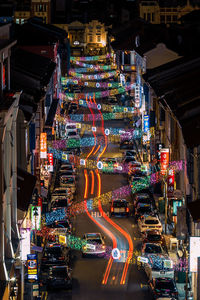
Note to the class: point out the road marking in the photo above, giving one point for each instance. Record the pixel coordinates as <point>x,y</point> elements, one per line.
<point>97,214</point>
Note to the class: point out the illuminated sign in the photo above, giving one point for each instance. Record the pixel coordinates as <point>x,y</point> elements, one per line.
<point>170,183</point>
<point>146,123</point>
<point>194,252</point>
<point>176,203</point>
<point>25,242</point>
<point>36,217</point>
<point>32,263</point>
<point>115,253</point>
<point>164,160</point>
<point>50,159</point>
<point>43,145</point>
<point>137,96</point>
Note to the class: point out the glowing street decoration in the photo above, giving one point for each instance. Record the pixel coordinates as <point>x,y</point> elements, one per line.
<point>92,68</point>
<point>97,95</point>
<point>77,81</point>
<point>43,145</point>
<point>97,76</point>
<point>55,215</point>
<point>90,58</point>
<point>164,160</point>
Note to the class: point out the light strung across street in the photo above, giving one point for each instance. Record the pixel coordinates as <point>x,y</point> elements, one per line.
<point>77,81</point>
<point>100,94</point>
<point>90,58</point>
<point>97,76</point>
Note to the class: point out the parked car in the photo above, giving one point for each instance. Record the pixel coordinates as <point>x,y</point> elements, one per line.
<point>141,211</point>
<point>163,287</point>
<point>59,203</point>
<point>68,182</point>
<point>95,244</point>
<point>151,248</point>
<point>73,135</point>
<point>54,254</point>
<point>154,236</point>
<point>110,164</point>
<point>59,277</point>
<point>159,266</point>
<point>130,153</point>
<point>119,207</point>
<point>129,159</point>
<point>62,193</point>
<point>141,198</point>
<point>126,145</point>
<point>149,222</point>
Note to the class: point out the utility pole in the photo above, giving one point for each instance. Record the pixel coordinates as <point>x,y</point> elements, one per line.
<point>166,202</point>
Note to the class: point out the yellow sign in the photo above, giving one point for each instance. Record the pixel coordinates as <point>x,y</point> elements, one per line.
<point>62,239</point>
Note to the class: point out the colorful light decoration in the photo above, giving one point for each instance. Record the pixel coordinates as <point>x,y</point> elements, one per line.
<point>93,67</point>
<point>90,58</point>
<point>106,116</point>
<point>100,94</point>
<point>76,81</point>
<point>97,76</point>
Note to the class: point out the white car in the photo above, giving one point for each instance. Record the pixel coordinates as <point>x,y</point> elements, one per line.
<point>70,127</point>
<point>73,135</point>
<point>149,222</point>
<point>159,266</point>
<point>94,244</point>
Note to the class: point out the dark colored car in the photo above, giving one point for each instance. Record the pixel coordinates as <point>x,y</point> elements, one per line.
<point>119,207</point>
<point>163,288</point>
<point>143,210</point>
<point>154,236</point>
<point>54,255</point>
<point>59,203</point>
<point>126,145</point>
<point>59,277</point>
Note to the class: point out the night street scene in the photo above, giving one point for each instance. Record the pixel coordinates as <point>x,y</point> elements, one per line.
<point>99,149</point>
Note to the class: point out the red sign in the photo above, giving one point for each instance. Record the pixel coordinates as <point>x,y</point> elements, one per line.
<point>43,145</point>
<point>164,160</point>
<point>170,183</point>
<point>50,159</point>
<point>40,202</point>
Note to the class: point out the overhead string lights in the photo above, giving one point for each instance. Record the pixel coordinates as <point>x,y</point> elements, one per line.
<point>92,67</point>
<point>77,81</point>
<point>97,95</point>
<point>90,58</point>
<point>97,76</point>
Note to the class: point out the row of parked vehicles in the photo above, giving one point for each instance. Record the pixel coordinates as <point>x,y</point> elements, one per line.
<point>154,258</point>
<point>56,259</point>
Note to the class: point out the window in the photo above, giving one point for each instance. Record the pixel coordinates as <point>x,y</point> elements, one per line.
<point>40,7</point>
<point>148,17</point>
<point>98,38</point>
<point>174,18</point>
<point>152,17</point>
<point>22,21</point>
<point>162,19</point>
<point>17,21</point>
<point>145,16</point>
<point>168,19</point>
<point>90,38</point>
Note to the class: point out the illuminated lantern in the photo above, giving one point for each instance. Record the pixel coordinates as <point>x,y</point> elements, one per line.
<point>170,183</point>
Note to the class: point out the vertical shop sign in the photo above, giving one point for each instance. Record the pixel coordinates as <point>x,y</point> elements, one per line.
<point>32,263</point>
<point>50,161</point>
<point>146,123</point>
<point>25,243</point>
<point>36,217</point>
<point>137,96</point>
<point>164,160</point>
<point>43,145</point>
<point>170,183</point>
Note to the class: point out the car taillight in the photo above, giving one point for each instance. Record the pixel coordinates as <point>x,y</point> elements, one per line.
<point>103,247</point>
<point>144,226</point>
<point>159,226</point>
<point>61,258</point>
<point>127,209</point>
<point>44,258</point>
<point>112,209</point>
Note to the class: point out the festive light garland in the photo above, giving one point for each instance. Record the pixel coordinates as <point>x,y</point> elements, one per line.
<point>90,58</point>
<point>100,94</point>
<point>97,76</point>
<point>92,67</point>
<point>107,107</point>
<point>76,81</point>
<point>106,116</point>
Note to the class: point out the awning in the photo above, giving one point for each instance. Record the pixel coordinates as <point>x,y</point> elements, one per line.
<point>25,186</point>
<point>52,112</point>
<point>194,209</point>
